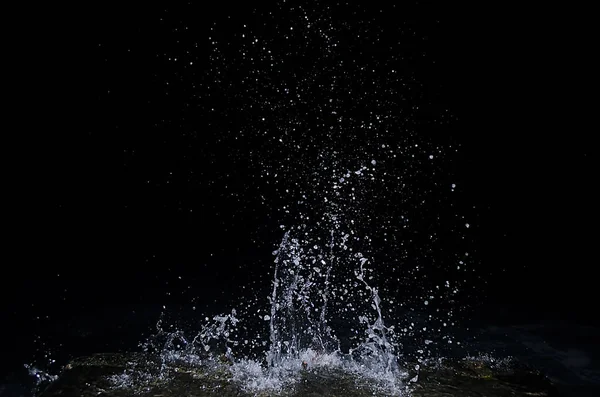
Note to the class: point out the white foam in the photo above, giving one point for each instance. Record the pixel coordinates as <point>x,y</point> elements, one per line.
<point>253,377</point>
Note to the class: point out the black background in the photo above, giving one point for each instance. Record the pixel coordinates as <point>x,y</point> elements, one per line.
<point>513,78</point>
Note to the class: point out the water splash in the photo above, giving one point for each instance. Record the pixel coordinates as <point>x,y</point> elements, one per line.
<point>41,376</point>
<point>336,138</point>
<point>324,313</point>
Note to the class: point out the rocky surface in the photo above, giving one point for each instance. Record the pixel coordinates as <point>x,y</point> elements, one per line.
<point>120,375</point>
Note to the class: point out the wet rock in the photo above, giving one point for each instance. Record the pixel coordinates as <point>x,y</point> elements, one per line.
<point>120,375</point>
<point>473,378</point>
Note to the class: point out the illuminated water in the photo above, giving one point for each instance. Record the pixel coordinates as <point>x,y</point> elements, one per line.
<point>323,313</point>
<point>361,293</point>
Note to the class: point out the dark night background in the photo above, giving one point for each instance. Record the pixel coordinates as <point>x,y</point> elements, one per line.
<point>95,238</point>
